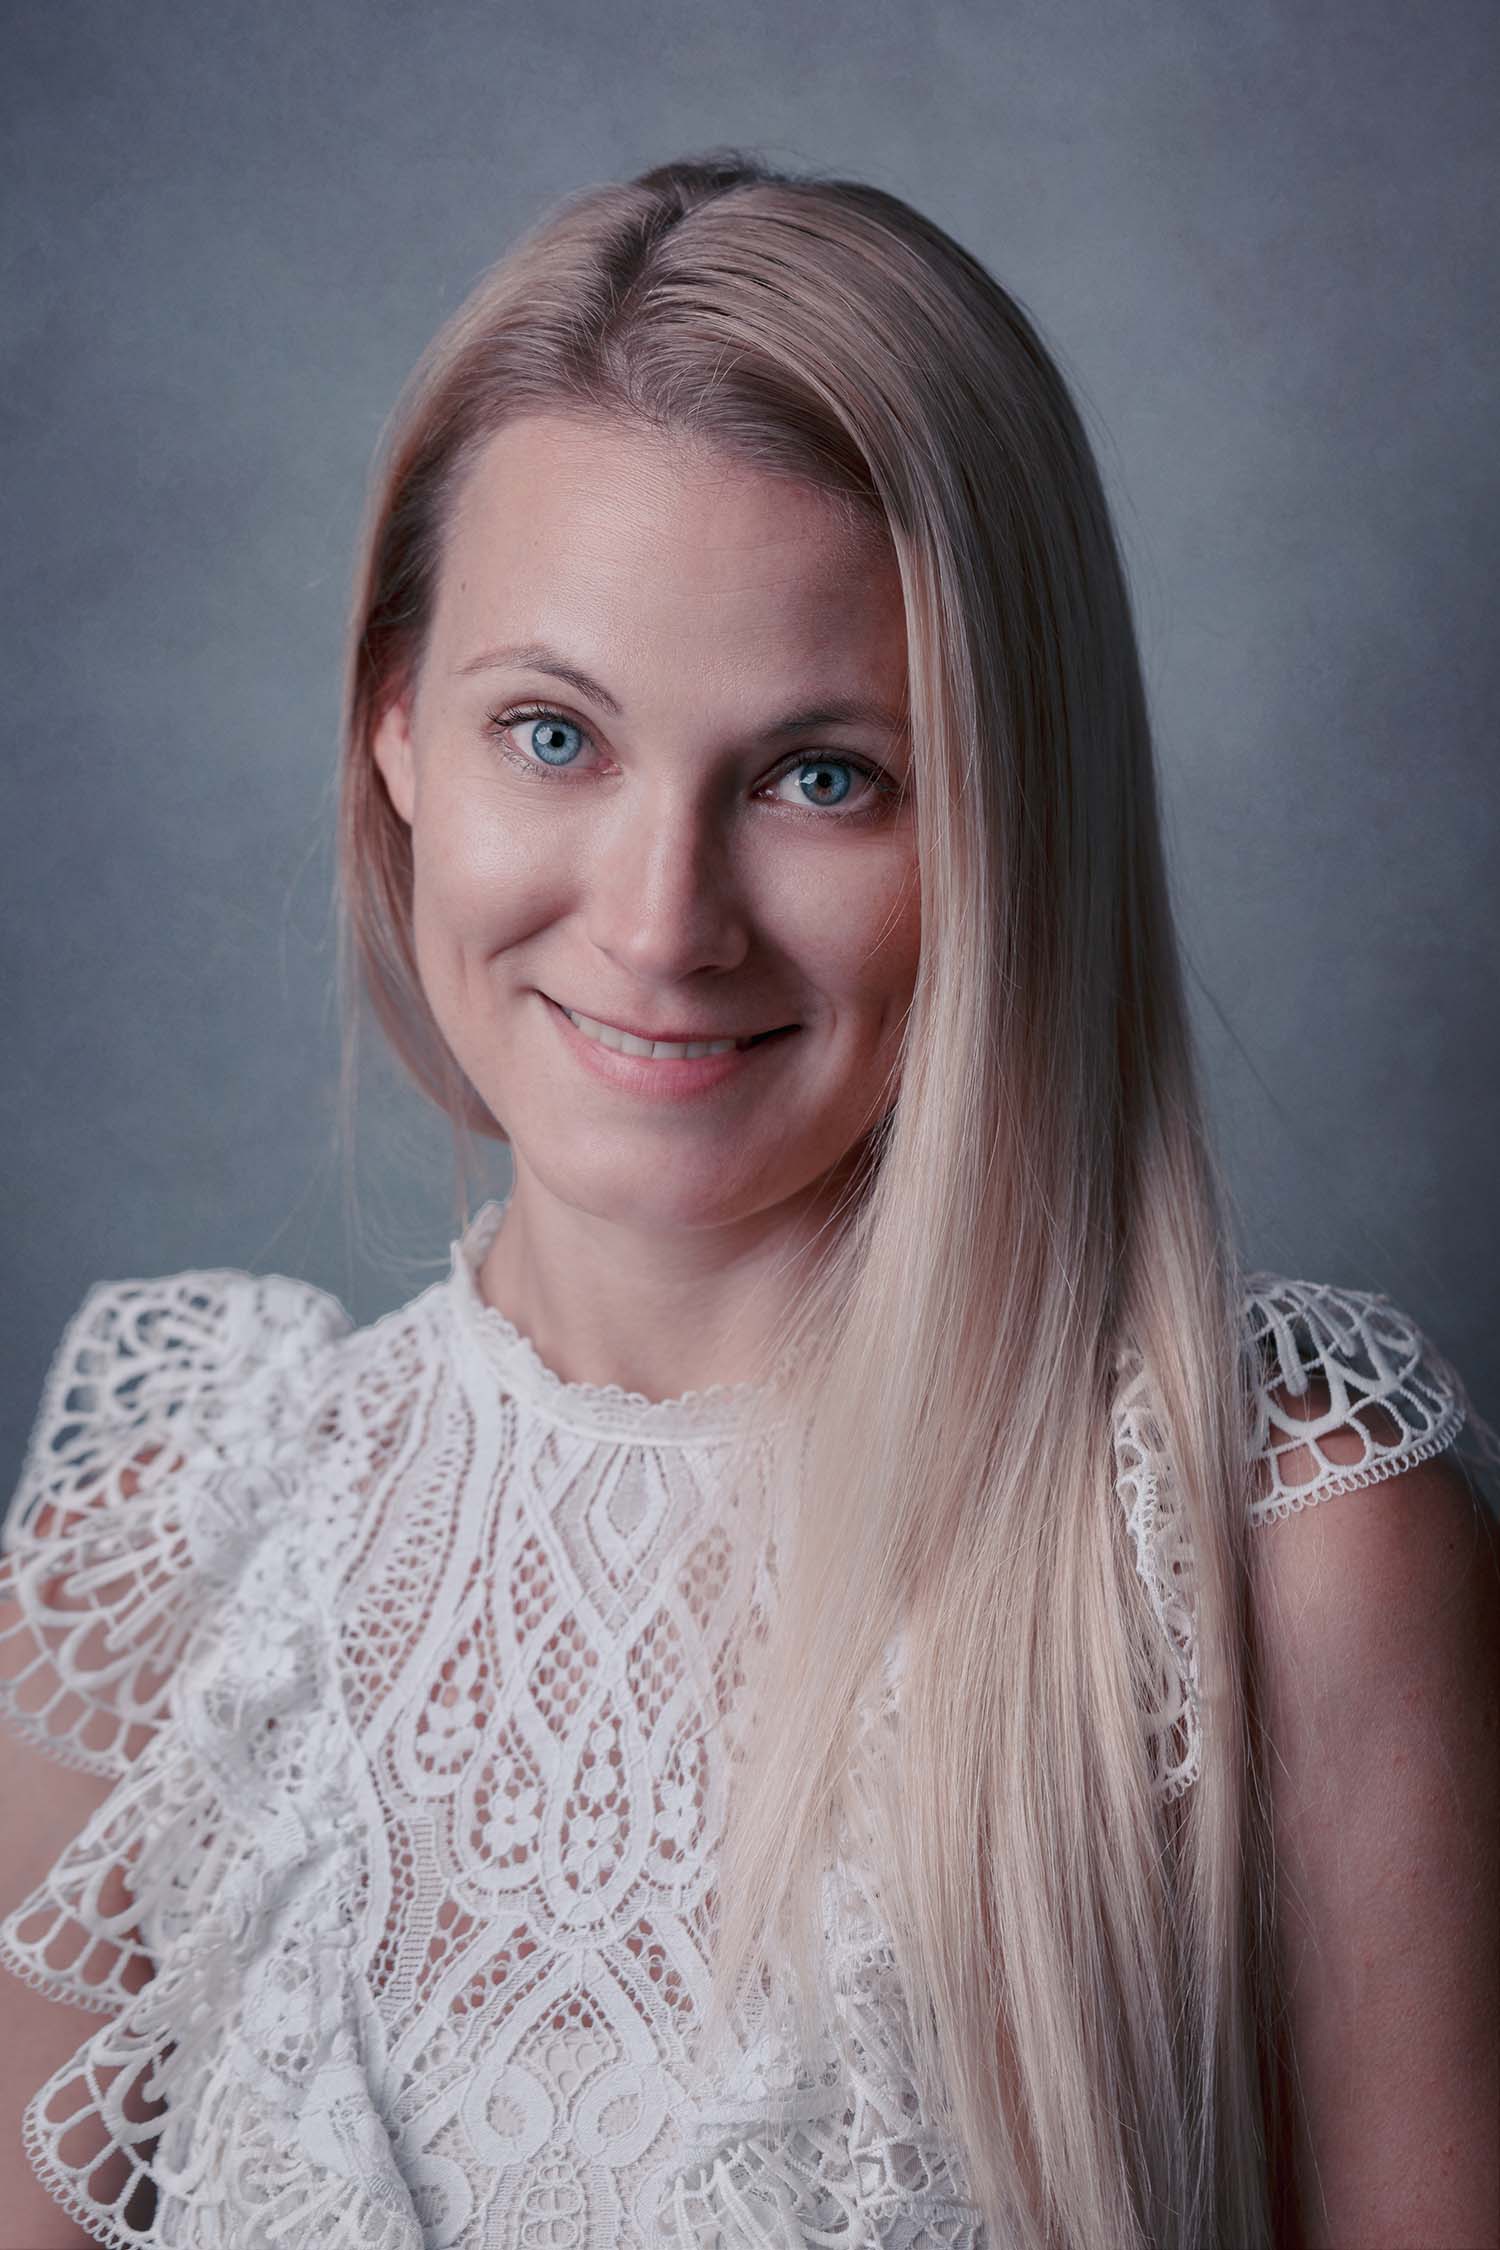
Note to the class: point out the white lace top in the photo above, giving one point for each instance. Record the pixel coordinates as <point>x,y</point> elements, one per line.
<point>402,1655</point>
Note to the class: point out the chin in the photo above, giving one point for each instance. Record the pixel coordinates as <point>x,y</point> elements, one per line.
<point>608,1185</point>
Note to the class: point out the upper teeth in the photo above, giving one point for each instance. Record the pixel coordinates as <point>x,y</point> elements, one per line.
<point>608,1036</point>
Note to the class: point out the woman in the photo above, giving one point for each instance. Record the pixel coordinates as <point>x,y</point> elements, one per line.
<point>766,1705</point>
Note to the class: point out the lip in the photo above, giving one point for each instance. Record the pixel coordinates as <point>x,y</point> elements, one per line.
<point>670,1038</point>
<point>659,1077</point>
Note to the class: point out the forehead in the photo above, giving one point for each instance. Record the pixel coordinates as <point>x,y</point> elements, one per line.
<point>566,525</point>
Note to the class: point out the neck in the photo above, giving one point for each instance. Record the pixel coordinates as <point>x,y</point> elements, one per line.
<point>634,1299</point>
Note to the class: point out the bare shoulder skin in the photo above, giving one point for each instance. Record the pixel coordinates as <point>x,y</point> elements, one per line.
<point>1379,1614</point>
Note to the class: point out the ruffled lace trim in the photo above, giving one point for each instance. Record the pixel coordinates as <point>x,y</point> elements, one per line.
<point>1359,1369</point>
<point>595,1409</point>
<point>169,1630</point>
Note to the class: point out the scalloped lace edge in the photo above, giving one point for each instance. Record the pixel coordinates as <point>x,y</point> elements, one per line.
<point>1331,1482</point>
<point>97,1763</point>
<point>702,1412</point>
<point>53,1982</point>
<point>64,2192</point>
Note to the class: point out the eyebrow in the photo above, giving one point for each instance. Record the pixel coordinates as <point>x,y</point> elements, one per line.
<point>534,656</point>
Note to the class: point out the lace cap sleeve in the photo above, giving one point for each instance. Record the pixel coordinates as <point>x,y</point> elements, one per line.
<point>1345,1390</point>
<point>113,1541</point>
<point>1346,1364</point>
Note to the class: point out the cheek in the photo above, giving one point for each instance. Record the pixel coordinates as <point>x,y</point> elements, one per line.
<point>862,936</point>
<point>476,887</point>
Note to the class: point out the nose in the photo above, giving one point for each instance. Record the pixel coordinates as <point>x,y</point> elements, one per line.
<point>663,896</point>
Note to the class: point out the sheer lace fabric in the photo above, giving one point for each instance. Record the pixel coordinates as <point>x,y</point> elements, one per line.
<point>410,1665</point>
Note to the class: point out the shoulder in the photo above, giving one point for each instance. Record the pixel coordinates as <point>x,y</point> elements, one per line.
<point>1354,1404</point>
<point>1377,1632</point>
<point>1373,1561</point>
<point>148,1375</point>
<point>1347,1391</point>
<point>1353,1602</point>
<point>1352,1398</point>
<point>146,1350</point>
<point>163,1400</point>
<point>1347,1400</point>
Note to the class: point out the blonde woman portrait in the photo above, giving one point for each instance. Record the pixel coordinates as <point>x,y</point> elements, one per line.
<point>850,1671</point>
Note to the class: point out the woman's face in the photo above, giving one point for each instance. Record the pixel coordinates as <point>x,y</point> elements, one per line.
<point>651,763</point>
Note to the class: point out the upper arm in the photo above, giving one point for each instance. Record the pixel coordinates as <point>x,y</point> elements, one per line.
<point>45,1806</point>
<point>101,1587</point>
<point>1378,1615</point>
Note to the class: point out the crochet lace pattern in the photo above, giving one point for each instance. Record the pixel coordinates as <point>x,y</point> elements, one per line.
<point>406,1663</point>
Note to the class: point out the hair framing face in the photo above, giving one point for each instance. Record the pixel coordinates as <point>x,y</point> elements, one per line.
<point>1035,1205</point>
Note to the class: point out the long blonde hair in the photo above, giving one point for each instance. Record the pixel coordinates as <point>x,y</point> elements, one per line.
<point>1036,1210</point>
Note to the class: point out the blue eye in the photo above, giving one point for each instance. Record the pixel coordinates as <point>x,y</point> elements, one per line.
<point>823,767</point>
<point>538,741</point>
<point>545,738</point>
<point>830,781</point>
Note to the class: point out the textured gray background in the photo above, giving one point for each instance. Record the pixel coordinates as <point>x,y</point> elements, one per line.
<point>1259,238</point>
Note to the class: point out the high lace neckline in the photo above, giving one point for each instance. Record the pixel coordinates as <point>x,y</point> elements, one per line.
<point>719,1410</point>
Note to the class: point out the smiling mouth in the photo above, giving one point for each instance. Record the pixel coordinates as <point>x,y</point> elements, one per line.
<point>664,1050</point>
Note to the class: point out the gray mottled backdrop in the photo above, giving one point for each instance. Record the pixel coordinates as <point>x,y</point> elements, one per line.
<point>1260,239</point>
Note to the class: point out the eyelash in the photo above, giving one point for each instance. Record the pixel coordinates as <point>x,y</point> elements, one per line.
<point>887,791</point>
